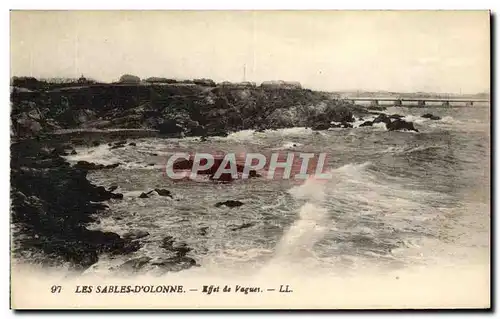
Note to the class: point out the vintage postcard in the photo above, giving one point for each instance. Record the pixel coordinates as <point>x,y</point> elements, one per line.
<point>250,159</point>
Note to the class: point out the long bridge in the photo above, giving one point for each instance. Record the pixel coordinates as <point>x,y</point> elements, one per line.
<point>447,102</point>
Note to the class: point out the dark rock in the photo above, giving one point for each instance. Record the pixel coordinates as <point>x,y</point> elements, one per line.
<point>73,152</point>
<point>399,125</point>
<point>366,123</point>
<point>321,126</point>
<point>96,143</point>
<point>163,192</point>
<point>167,242</point>
<point>203,231</point>
<point>346,125</point>
<point>117,146</point>
<point>253,173</point>
<point>59,151</point>
<point>143,195</point>
<point>92,166</point>
<point>135,234</point>
<point>382,118</point>
<point>112,188</point>
<point>376,108</point>
<point>181,249</point>
<point>132,144</point>
<point>229,203</point>
<point>431,116</point>
<point>224,177</point>
<point>170,127</point>
<point>175,264</point>
<point>242,226</point>
<point>395,116</point>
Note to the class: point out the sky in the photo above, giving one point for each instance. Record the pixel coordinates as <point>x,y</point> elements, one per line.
<point>399,51</point>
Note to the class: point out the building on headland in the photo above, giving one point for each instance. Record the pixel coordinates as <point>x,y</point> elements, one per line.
<point>204,82</point>
<point>290,85</point>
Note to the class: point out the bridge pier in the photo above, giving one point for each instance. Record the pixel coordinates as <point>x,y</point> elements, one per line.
<point>470,103</point>
<point>398,103</point>
<point>446,103</point>
<point>421,103</point>
<point>374,103</point>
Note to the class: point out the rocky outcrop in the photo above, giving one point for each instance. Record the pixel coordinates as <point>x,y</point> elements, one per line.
<point>135,234</point>
<point>163,192</point>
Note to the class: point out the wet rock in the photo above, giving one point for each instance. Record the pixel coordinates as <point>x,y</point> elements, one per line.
<point>224,177</point>
<point>346,125</point>
<point>253,173</point>
<point>376,108</point>
<point>366,123</point>
<point>135,234</point>
<point>242,226</point>
<point>96,143</point>
<point>132,144</point>
<point>170,127</point>
<point>116,146</point>
<point>203,231</point>
<point>143,195</point>
<point>163,192</point>
<point>229,203</point>
<point>401,125</point>
<point>175,264</point>
<point>73,152</point>
<point>119,144</point>
<point>112,188</point>
<point>431,116</point>
<point>167,242</point>
<point>181,249</point>
<point>134,265</point>
<point>92,166</point>
<point>59,151</point>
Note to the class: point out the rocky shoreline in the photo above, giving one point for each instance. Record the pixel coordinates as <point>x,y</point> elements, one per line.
<point>52,203</point>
